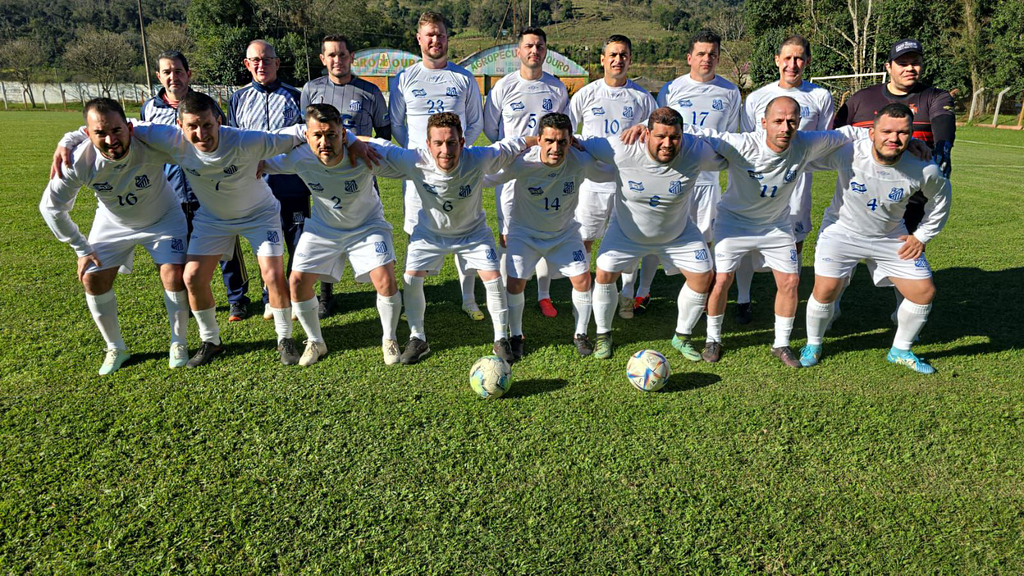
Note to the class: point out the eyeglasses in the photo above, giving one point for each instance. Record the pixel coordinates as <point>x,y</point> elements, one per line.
<point>254,60</point>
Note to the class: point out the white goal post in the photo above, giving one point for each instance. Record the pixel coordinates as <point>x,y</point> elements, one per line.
<point>843,86</point>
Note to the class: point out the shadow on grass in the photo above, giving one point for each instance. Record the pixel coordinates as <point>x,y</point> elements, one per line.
<point>523,388</point>
<point>686,381</point>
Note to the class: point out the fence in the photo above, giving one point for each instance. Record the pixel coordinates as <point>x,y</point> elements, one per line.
<point>60,95</point>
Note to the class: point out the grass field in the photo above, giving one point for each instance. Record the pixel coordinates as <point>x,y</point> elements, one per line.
<point>352,466</point>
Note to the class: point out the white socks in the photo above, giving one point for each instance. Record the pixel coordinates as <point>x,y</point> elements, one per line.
<point>177,314</point>
<point>783,328</point>
<point>581,307</point>
<point>543,279</point>
<point>415,305</point>
<point>818,317</point>
<point>209,331</point>
<point>497,307</point>
<point>911,319</point>
<point>104,312</point>
<point>648,268</point>
<point>516,303</point>
<point>744,278</point>
<point>282,322</point>
<point>466,281</point>
<point>691,306</point>
<point>390,310</point>
<point>628,283</point>
<point>605,299</point>
<point>715,328</point>
<point>306,311</point>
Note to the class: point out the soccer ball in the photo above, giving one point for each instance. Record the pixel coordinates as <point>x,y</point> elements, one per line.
<point>490,377</point>
<point>647,370</point>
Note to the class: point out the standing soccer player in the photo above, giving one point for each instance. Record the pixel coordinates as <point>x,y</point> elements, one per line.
<point>816,110</point>
<point>514,107</point>
<point>360,103</point>
<point>428,87</point>
<point>865,221</point>
<point>136,207</point>
<point>605,108</point>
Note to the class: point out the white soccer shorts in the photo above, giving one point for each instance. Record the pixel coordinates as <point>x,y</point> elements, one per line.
<point>565,251</point>
<point>114,244</point>
<point>212,236</point>
<point>800,209</point>
<point>704,208</point>
<point>427,250</point>
<point>838,251</point>
<point>775,247</point>
<point>323,250</point>
<point>593,212</point>
<point>688,251</point>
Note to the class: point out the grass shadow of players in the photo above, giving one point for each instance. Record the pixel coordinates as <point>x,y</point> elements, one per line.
<point>523,388</point>
<point>686,381</point>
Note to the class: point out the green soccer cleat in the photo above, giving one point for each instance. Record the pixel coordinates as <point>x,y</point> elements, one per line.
<point>113,360</point>
<point>908,359</point>
<point>178,356</point>
<point>810,355</point>
<point>685,347</point>
<point>603,346</point>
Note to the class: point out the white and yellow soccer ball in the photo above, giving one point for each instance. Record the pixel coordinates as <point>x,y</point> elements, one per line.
<point>647,370</point>
<point>490,377</point>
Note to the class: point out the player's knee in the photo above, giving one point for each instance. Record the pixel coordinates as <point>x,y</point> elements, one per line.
<point>788,283</point>
<point>171,275</point>
<point>96,284</point>
<point>581,283</point>
<point>516,285</point>
<point>386,285</point>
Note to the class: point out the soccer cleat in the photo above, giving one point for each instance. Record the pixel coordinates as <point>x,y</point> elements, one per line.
<point>238,312</point>
<point>415,350</point>
<point>603,346</point>
<point>810,355</point>
<point>787,356</point>
<point>325,308</point>
<point>473,311</point>
<point>712,352</point>
<point>178,356</point>
<point>743,313</point>
<point>517,347</point>
<point>313,352</point>
<point>268,314</point>
<point>503,349</point>
<point>391,352</point>
<point>908,359</point>
<point>685,347</point>
<point>641,304</point>
<point>289,351</point>
<point>583,345</point>
<point>625,307</point>
<point>547,308</point>
<point>113,360</point>
<point>206,352</point>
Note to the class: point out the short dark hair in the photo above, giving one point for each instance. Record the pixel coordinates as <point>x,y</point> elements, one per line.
<point>197,103</point>
<point>783,97</point>
<point>555,120</point>
<point>617,39</point>
<point>444,120</point>
<point>665,116</point>
<point>706,37</point>
<point>103,106</point>
<point>325,113</point>
<point>533,31</point>
<point>335,38</point>
<point>895,110</point>
<point>795,40</point>
<point>172,55</point>
<point>431,17</point>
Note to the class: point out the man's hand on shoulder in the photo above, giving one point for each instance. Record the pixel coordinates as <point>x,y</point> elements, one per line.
<point>920,149</point>
<point>61,157</point>
<point>634,134</point>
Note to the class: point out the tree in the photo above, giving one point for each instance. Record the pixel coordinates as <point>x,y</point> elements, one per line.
<point>22,57</point>
<point>1008,41</point>
<point>166,35</point>
<point>849,30</point>
<point>105,57</point>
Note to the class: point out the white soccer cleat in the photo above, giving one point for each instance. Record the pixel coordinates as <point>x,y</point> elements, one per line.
<point>625,307</point>
<point>391,352</point>
<point>178,356</point>
<point>314,351</point>
<point>113,361</point>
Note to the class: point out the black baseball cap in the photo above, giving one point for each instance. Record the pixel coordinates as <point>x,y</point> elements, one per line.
<point>905,46</point>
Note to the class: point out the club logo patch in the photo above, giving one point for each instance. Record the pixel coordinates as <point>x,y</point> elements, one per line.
<point>684,103</point>
<point>858,187</point>
<point>177,245</point>
<point>805,112</point>
<point>231,170</point>
<point>518,106</point>
<point>298,217</point>
<point>351,186</point>
<point>578,256</point>
<point>896,194</point>
<point>273,237</point>
<point>492,255</point>
<point>465,190</point>
<point>792,255</point>
<point>380,247</point>
<point>636,186</point>
<point>547,105</point>
<point>675,187</point>
<point>920,262</point>
<point>142,181</point>
<point>451,91</point>
<point>430,188</point>
<point>102,187</point>
<point>535,190</point>
<point>717,104</point>
<point>597,111</point>
<point>701,255</point>
<point>315,186</point>
<point>790,174</point>
<point>355,106</point>
<point>627,112</point>
<point>755,175</point>
<point>419,93</point>
<point>568,188</point>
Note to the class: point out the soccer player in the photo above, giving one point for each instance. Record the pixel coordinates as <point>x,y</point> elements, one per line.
<point>816,110</point>
<point>428,87</point>
<point>347,223</point>
<point>705,100</point>
<point>136,207</point>
<point>268,104</point>
<point>865,222</point>
<point>361,104</point>
<point>655,180</point>
<point>514,106</point>
<point>543,187</point>
<point>605,108</point>
<point>448,177</point>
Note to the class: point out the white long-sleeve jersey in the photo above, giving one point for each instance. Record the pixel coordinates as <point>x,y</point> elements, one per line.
<point>132,191</point>
<point>605,111</point>
<point>418,92</point>
<point>451,203</point>
<point>344,196</point>
<point>871,197</point>
<point>544,198</point>
<point>715,104</point>
<point>652,200</point>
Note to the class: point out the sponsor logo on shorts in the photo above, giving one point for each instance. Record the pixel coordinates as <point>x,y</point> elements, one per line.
<point>492,255</point>
<point>380,247</point>
<point>231,170</point>
<point>315,186</point>
<point>355,106</point>
<point>535,190</point>
<point>858,187</point>
<point>518,106</point>
<point>547,105</point>
<point>177,245</point>
<point>792,255</point>
<point>717,104</point>
<point>451,91</point>
<point>636,186</point>
<point>790,174</point>
<point>684,103</point>
<point>351,186</point>
<point>755,175</point>
<point>273,237</point>
<point>102,186</point>
<point>430,188</point>
<point>921,263</point>
<point>465,190</point>
<point>675,187</point>
<point>701,255</point>
<point>578,256</point>
<point>627,112</point>
<point>142,181</point>
<point>896,194</point>
<point>419,93</point>
<point>597,111</point>
<point>568,188</point>
<point>655,200</point>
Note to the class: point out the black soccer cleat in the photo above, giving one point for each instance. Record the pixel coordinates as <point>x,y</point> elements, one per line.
<point>238,312</point>
<point>583,345</point>
<point>289,351</point>
<point>205,353</point>
<point>503,349</point>
<point>325,308</point>
<point>415,350</point>
<point>743,313</point>
<point>517,347</point>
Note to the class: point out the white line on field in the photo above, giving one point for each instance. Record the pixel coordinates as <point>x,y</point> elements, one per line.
<point>988,166</point>
<point>989,144</point>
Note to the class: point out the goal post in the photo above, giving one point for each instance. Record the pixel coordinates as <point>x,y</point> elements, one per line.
<point>843,86</point>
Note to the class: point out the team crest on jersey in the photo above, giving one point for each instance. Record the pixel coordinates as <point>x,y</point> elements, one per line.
<point>755,175</point>
<point>627,112</point>
<point>805,112</point>
<point>717,104</point>
<point>142,181</point>
<point>636,186</point>
<point>231,170</point>
<point>430,188</point>
<point>858,187</point>
<point>419,93</point>
<point>547,104</point>
<point>517,106</point>
<point>102,187</point>
<point>790,174</point>
<point>701,255</point>
<point>177,245</point>
<point>568,188</point>
<point>451,91</point>
<point>684,103</point>
<point>465,190</point>
<point>351,186</point>
<point>315,186</point>
<point>355,106</point>
<point>896,194</point>
<point>675,187</point>
<point>913,108</point>
<point>535,190</point>
<point>597,111</point>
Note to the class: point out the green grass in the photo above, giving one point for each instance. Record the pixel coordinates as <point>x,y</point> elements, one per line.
<point>352,466</point>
